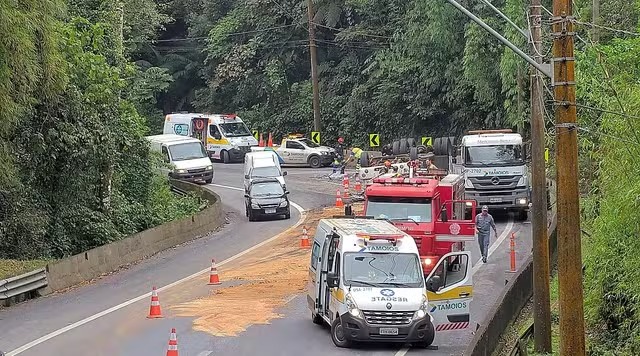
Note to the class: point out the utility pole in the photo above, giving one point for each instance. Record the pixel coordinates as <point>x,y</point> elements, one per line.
<point>541,295</point>
<point>314,68</point>
<point>595,11</point>
<point>569,245</point>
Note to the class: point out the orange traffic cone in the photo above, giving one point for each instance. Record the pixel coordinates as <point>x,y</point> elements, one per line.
<point>358,186</point>
<point>304,242</point>
<point>261,142</point>
<point>213,275</point>
<point>270,142</point>
<point>173,344</point>
<point>339,202</point>
<point>154,310</point>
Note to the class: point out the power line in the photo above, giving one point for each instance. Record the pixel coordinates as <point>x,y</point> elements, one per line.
<point>227,35</point>
<point>357,33</point>
<point>593,25</point>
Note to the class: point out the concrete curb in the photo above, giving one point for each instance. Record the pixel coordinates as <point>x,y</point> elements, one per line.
<point>512,299</point>
<point>92,264</point>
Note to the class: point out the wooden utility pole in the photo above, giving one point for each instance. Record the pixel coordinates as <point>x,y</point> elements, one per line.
<point>595,12</point>
<point>541,295</point>
<point>314,68</point>
<point>569,245</point>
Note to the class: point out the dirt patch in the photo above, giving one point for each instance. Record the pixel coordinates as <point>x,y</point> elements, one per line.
<point>268,277</point>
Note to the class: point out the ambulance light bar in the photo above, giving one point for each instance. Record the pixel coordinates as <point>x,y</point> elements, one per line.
<point>401,180</point>
<point>393,238</point>
<point>480,132</point>
<point>230,116</point>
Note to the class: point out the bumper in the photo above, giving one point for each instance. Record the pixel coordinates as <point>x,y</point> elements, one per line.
<point>513,200</point>
<point>278,211</point>
<point>193,177</point>
<point>356,329</point>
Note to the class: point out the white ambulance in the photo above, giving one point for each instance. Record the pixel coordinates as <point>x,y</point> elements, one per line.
<point>366,281</point>
<point>226,137</point>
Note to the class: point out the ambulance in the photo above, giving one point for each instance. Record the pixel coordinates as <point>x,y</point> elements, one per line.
<point>226,137</point>
<point>366,282</point>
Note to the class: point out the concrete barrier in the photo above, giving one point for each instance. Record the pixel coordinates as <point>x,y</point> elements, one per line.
<point>91,264</point>
<point>513,298</point>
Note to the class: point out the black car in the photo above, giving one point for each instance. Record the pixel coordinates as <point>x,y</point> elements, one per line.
<point>266,197</point>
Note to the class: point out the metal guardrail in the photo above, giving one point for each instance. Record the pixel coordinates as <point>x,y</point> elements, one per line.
<point>178,191</point>
<point>520,347</point>
<point>23,283</point>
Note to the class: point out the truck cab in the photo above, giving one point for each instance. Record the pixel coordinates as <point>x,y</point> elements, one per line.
<point>496,174</point>
<point>365,280</point>
<point>430,208</point>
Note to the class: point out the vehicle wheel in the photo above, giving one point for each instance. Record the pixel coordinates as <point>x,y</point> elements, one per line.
<point>413,153</point>
<point>404,146</point>
<point>431,334</point>
<point>317,319</point>
<point>208,181</point>
<point>288,214</point>
<point>252,217</point>
<point>412,142</point>
<point>523,214</point>
<point>337,334</point>
<point>396,148</point>
<point>364,159</point>
<point>225,157</point>
<point>314,162</point>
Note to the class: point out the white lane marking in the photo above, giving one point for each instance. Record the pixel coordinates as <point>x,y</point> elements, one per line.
<point>403,351</point>
<point>91,318</point>
<point>205,353</point>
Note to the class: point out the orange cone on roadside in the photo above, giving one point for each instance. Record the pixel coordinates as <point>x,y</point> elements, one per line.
<point>154,310</point>
<point>173,344</point>
<point>261,142</point>
<point>358,186</point>
<point>270,142</point>
<point>304,242</point>
<point>339,202</point>
<point>213,275</point>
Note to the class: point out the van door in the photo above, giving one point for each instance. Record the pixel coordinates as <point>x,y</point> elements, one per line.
<point>165,169</point>
<point>325,263</point>
<point>215,141</point>
<point>314,266</point>
<point>450,291</point>
<point>294,153</point>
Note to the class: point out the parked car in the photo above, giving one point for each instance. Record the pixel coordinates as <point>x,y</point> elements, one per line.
<point>266,197</point>
<point>262,164</point>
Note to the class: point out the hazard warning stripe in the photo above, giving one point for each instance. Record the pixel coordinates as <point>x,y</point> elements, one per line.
<point>452,326</point>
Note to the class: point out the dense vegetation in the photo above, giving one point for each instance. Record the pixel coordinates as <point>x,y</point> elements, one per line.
<point>81,84</point>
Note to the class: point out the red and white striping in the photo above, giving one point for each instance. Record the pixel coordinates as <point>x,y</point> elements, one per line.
<point>452,326</point>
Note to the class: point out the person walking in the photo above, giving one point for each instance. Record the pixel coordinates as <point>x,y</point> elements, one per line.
<point>485,222</point>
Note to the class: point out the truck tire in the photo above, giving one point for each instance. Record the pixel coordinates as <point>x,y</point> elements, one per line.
<point>314,161</point>
<point>225,157</point>
<point>413,153</point>
<point>431,335</point>
<point>337,334</point>
<point>412,142</point>
<point>404,146</point>
<point>364,159</point>
<point>396,148</point>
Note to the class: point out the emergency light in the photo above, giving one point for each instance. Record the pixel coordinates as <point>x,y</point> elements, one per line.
<point>229,116</point>
<point>380,238</point>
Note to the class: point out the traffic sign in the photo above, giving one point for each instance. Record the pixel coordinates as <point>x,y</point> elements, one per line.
<point>546,155</point>
<point>255,134</point>
<point>427,141</point>
<point>374,140</point>
<point>315,137</point>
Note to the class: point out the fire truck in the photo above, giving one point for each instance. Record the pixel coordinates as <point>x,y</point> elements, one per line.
<point>429,205</point>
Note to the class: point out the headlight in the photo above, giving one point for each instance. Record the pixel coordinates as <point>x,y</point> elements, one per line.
<point>467,183</point>
<point>234,147</point>
<point>522,181</point>
<point>284,204</point>
<point>209,168</point>
<point>255,206</point>
<point>422,311</point>
<point>352,308</point>
<point>181,171</point>
<point>324,153</point>
<point>522,201</point>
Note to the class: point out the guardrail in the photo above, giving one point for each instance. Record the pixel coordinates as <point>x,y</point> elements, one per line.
<point>24,283</point>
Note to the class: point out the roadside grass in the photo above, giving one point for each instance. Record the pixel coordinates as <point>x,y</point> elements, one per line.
<point>12,268</point>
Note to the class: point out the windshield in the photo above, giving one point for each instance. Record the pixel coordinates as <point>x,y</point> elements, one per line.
<point>265,172</point>
<point>234,129</point>
<point>416,209</point>
<point>308,142</point>
<point>266,189</point>
<point>499,155</point>
<point>185,151</point>
<point>382,270</point>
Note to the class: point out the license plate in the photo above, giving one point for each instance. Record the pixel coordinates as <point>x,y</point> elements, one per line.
<point>388,331</point>
<point>270,211</point>
<point>495,200</point>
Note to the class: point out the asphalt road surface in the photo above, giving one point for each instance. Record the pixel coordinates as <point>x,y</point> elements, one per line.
<point>108,317</point>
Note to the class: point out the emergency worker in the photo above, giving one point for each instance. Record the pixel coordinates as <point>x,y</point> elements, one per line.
<point>356,153</point>
<point>484,222</point>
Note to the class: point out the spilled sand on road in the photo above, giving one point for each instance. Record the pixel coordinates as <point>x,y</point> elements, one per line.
<point>268,277</point>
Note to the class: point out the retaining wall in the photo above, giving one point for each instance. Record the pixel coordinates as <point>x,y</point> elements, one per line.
<point>91,264</point>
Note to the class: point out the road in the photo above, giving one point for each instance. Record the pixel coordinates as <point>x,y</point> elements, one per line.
<point>108,317</point>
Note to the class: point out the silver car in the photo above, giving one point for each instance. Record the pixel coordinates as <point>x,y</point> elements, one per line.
<point>303,152</point>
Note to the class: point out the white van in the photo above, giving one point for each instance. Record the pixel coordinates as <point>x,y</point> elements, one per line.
<point>262,164</point>
<point>366,281</point>
<point>186,155</point>
<point>226,137</point>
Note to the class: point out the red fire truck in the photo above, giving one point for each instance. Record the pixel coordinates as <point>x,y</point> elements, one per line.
<point>428,204</point>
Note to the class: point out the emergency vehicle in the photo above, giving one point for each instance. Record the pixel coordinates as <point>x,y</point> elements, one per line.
<point>226,137</point>
<point>365,280</point>
<point>429,205</point>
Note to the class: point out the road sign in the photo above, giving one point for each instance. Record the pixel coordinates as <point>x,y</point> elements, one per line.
<point>427,141</point>
<point>374,140</point>
<point>315,137</point>
<point>546,155</point>
<point>255,134</point>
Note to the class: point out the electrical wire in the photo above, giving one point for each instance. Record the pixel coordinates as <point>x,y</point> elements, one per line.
<point>342,30</point>
<point>611,29</point>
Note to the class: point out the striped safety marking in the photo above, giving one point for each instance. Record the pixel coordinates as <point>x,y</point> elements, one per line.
<point>452,326</point>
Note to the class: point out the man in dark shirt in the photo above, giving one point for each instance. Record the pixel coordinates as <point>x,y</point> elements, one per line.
<point>484,224</point>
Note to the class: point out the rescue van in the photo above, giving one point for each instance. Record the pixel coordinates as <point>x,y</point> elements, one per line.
<point>366,282</point>
<point>226,137</point>
<point>185,157</point>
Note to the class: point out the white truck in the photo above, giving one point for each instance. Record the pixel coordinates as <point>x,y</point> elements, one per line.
<point>495,168</point>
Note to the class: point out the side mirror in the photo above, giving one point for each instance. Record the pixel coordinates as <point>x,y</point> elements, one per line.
<point>287,192</point>
<point>246,176</point>
<point>246,196</point>
<point>284,173</point>
<point>332,280</point>
<point>433,284</point>
<point>443,215</point>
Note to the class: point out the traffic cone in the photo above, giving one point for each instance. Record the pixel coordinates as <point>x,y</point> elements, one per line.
<point>345,182</point>
<point>358,186</point>
<point>304,242</point>
<point>213,275</point>
<point>261,142</point>
<point>270,142</point>
<point>154,310</point>
<point>173,344</point>
<point>339,202</point>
